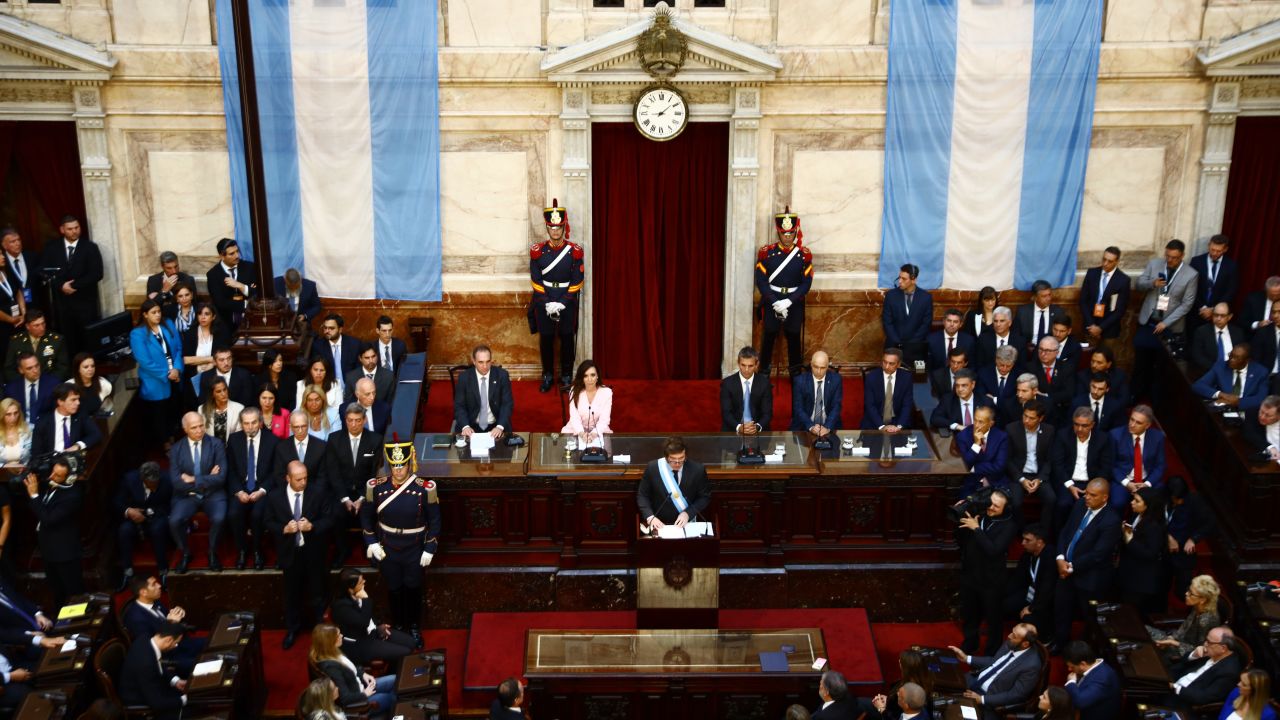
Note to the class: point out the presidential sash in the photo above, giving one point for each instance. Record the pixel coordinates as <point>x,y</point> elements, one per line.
<point>673,489</point>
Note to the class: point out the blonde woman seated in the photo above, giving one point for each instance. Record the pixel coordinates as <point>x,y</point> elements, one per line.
<point>319,701</point>
<point>1202,600</point>
<point>15,442</point>
<point>221,413</point>
<point>1251,698</point>
<point>590,404</point>
<point>354,687</point>
<point>322,417</point>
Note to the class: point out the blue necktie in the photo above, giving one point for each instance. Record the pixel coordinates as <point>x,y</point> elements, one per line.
<point>195,459</point>
<point>22,613</point>
<point>746,402</point>
<point>31,403</point>
<point>1222,350</point>
<point>1084,521</point>
<point>251,478</point>
<point>66,433</point>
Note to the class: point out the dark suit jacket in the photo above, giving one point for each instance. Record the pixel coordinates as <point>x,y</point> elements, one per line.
<point>1255,303</point>
<point>1224,290</point>
<point>1097,695</point>
<point>1045,581</point>
<point>221,296</point>
<point>191,340</point>
<point>731,407</point>
<point>212,453</point>
<point>652,497</point>
<point>1115,300</point>
<point>58,513</point>
<point>803,396</point>
<point>466,398</point>
<point>938,347</point>
<point>347,476</point>
<point>380,414</point>
<point>1017,458</point>
<point>240,388</point>
<point>1263,346</point>
<point>1101,460</point>
<point>287,452</point>
<point>899,327</point>
<point>308,297</point>
<point>142,623</point>
<point>131,494</point>
<point>1014,684</point>
<point>322,348</point>
<point>949,411</point>
<point>1094,553</point>
<point>398,352</point>
<point>84,271</point>
<point>989,463</point>
<point>316,507</point>
<point>1153,456</point>
<point>1220,379</point>
<point>989,383</point>
<point>1204,344</point>
<point>238,459</point>
<point>987,347</point>
<point>17,616</point>
<point>498,712</point>
<point>941,382</point>
<point>155,282</point>
<point>1191,520</point>
<point>143,683</point>
<point>384,384</point>
<point>873,399</point>
<point>17,389</point>
<point>351,620</point>
<point>1060,391</point>
<point>983,552</point>
<point>350,687</point>
<point>1069,353</point>
<point>1115,413</point>
<point>1025,316</point>
<point>1215,684</point>
<point>83,429</point>
<point>1141,566</point>
<point>1117,380</point>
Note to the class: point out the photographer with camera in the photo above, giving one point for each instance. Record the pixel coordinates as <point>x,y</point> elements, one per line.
<point>984,535</point>
<point>57,511</point>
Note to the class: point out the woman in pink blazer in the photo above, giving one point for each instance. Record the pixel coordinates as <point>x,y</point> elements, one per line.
<point>590,403</point>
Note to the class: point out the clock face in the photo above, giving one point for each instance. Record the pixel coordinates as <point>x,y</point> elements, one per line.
<point>661,113</point>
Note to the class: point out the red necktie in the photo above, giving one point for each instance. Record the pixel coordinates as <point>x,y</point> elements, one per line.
<point>950,344</point>
<point>1137,458</point>
<point>1048,374</point>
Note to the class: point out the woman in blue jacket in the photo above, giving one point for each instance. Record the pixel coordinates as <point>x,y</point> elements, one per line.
<point>158,352</point>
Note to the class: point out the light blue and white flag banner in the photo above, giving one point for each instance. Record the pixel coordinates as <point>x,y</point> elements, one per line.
<point>990,112</point>
<point>349,111</point>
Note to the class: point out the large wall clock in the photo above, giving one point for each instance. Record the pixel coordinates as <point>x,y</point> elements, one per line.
<point>661,112</point>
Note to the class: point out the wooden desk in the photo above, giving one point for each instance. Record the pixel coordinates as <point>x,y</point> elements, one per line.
<point>1140,665</point>
<point>58,668</point>
<point>240,687</point>
<point>232,630</point>
<point>415,710</point>
<point>43,706</point>
<point>421,674</point>
<point>952,711</point>
<point>1120,622</point>
<point>1157,712</point>
<point>947,671</point>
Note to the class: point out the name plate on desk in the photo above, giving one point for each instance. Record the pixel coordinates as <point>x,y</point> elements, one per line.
<point>860,452</point>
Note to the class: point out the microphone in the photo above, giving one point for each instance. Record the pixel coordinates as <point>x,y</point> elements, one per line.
<point>665,500</point>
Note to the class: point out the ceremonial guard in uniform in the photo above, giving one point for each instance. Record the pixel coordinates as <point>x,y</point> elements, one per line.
<point>784,272</point>
<point>401,522</point>
<point>556,273</point>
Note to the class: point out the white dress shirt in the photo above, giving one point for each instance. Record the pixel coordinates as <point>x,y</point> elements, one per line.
<point>1081,470</point>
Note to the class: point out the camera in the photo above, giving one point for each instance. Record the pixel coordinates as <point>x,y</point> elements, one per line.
<point>975,505</point>
<point>42,465</point>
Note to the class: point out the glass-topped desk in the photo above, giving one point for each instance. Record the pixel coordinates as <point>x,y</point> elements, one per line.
<point>665,652</point>
<point>438,456</point>
<point>716,451</point>
<point>879,452</point>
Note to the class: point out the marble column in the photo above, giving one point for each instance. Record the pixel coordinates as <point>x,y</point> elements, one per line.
<point>95,171</point>
<point>1215,164</point>
<point>575,124</point>
<point>744,171</point>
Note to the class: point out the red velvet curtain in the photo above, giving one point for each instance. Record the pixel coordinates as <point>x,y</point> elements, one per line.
<point>1252,215</point>
<point>48,163</point>
<point>658,251</point>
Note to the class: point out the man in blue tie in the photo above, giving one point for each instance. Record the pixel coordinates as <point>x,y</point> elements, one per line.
<point>1008,678</point>
<point>251,457</point>
<point>1088,542</point>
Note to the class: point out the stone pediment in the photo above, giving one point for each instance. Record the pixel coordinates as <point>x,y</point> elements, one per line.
<point>33,52</point>
<point>1252,53</point>
<point>613,58</point>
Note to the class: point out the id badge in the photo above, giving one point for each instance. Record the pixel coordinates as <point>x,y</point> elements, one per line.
<point>1162,303</point>
<point>26,295</point>
<point>14,310</point>
<point>1099,310</point>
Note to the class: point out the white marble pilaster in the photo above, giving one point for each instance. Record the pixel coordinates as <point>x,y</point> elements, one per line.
<point>1215,164</point>
<point>95,171</point>
<point>744,161</point>
<point>575,124</point>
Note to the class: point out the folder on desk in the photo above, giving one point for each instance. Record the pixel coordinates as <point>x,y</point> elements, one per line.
<point>774,662</point>
<point>73,611</point>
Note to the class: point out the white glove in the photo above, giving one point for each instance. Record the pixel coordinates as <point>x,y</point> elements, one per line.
<point>554,308</point>
<point>426,558</point>
<point>784,303</point>
<point>375,552</point>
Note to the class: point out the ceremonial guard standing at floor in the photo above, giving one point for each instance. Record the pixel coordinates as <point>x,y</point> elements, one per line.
<point>401,522</point>
<point>784,272</point>
<point>556,273</point>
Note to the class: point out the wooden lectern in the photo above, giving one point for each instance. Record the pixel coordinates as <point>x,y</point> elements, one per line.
<point>677,583</point>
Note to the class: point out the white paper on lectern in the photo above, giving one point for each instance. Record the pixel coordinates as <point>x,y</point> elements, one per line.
<point>208,667</point>
<point>968,713</point>
<point>622,459</point>
<point>481,443</point>
<point>690,530</point>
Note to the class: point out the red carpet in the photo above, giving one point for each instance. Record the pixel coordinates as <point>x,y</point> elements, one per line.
<point>495,649</point>
<point>639,406</point>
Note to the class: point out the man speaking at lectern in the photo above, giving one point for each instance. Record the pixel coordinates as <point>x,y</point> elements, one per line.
<point>674,489</point>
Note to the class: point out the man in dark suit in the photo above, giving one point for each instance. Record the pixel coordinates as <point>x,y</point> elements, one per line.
<point>300,516</point>
<point>1140,457</point>
<point>1071,471</point>
<point>251,457</point>
<point>1240,384</point>
<point>1054,378</point>
<point>1031,588</point>
<point>64,430</point>
<point>300,446</point>
<point>887,395</point>
<point>490,412</point>
<point>377,412</point>
<point>363,640</point>
<point>299,293</point>
<point>1026,389</point>
<point>1218,279</point>
<point>1035,321</point>
<point>1107,408</point>
<point>240,382</point>
<point>1262,428</point>
<point>1189,521</point>
<point>1211,342</point>
<point>340,350</point>
<point>746,403</point>
<point>33,385</point>
<point>1093,685</point>
<point>1069,348</point>
<point>57,512</point>
<point>907,315</point>
<point>1002,334</point>
<point>984,449</point>
<point>1008,678</point>
<point>1209,680</point>
<point>198,464</point>
<point>25,265</point>
<point>145,614</point>
<point>1087,546</point>
<point>1259,306</point>
<point>231,282</point>
<point>74,284</point>
<point>353,456</point>
<point>673,489</point>
<point>384,383</point>
<point>955,411</point>
<point>1102,359</point>
<point>817,398</point>
<point>984,547</point>
<point>143,680</point>
<point>837,702</point>
<point>23,624</point>
<point>999,381</point>
<point>507,706</point>
<point>1266,343</point>
<point>942,342</point>
<point>142,504</point>
<point>943,379</point>
<point>162,285</point>
<point>391,350</point>
<point>1029,464</point>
